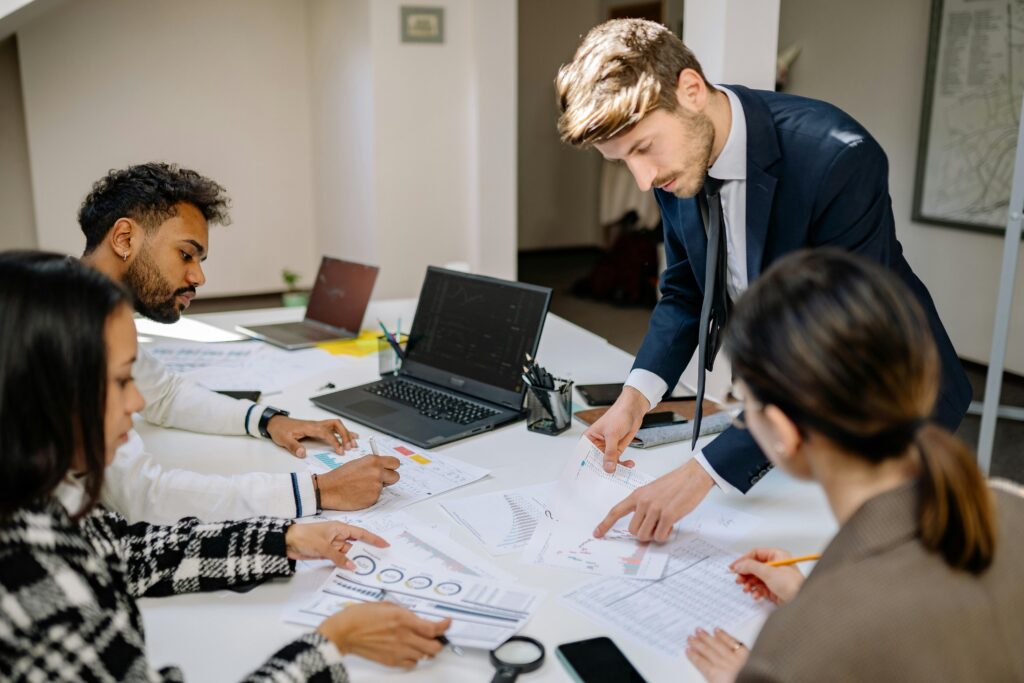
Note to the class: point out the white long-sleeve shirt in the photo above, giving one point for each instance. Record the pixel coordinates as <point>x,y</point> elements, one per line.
<point>141,489</point>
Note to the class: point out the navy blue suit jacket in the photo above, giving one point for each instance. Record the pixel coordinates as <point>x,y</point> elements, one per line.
<point>815,177</point>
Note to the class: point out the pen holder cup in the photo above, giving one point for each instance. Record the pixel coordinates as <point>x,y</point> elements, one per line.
<point>389,362</point>
<point>549,411</point>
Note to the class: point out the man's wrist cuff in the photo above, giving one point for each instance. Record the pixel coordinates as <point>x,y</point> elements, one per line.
<point>720,482</point>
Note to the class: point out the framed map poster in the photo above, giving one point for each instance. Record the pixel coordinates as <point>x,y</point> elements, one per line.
<point>970,116</point>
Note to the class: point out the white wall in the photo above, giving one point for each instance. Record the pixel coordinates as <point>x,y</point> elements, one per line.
<point>415,142</point>
<point>341,67</point>
<point>17,224</point>
<point>736,41</point>
<point>330,134</point>
<point>493,167</point>
<point>421,104</point>
<point>221,87</point>
<point>868,57</point>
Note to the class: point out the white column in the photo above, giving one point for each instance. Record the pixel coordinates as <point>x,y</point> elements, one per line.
<point>415,144</point>
<point>736,41</point>
<point>343,129</point>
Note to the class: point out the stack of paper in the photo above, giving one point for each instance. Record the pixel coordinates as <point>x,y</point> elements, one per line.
<point>698,590</point>
<point>241,366</point>
<point>502,521</point>
<point>582,497</point>
<point>431,576</point>
<point>422,473</point>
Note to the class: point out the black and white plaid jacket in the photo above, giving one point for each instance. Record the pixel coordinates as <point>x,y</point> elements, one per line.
<point>68,589</point>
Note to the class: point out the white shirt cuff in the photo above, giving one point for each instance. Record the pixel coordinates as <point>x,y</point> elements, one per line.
<point>252,419</point>
<point>721,483</point>
<point>648,384</point>
<point>307,495</point>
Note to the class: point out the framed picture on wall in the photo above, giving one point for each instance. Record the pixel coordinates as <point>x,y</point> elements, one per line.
<point>422,24</point>
<point>974,82</point>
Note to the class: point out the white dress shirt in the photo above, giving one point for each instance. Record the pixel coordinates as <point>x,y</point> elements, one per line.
<point>731,168</point>
<point>140,489</point>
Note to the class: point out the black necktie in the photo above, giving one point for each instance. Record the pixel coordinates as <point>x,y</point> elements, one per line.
<point>715,308</point>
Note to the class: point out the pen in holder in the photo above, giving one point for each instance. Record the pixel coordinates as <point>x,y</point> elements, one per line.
<point>388,360</point>
<point>549,411</point>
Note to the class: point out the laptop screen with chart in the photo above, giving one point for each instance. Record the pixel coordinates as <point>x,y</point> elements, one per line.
<point>473,333</point>
<point>463,362</point>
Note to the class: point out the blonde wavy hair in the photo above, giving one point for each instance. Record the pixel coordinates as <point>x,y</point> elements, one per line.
<point>623,70</point>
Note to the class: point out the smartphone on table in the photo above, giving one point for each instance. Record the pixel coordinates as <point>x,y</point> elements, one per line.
<point>662,419</point>
<point>253,396</point>
<point>597,660</point>
<point>605,394</point>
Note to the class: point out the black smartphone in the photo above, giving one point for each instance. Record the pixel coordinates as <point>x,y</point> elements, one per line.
<point>599,394</point>
<point>662,419</point>
<point>597,660</point>
<point>605,394</point>
<point>253,396</point>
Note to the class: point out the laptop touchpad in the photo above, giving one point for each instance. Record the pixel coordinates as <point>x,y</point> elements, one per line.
<point>372,408</point>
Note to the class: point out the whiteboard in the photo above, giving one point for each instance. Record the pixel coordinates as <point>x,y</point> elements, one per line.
<point>969,122</point>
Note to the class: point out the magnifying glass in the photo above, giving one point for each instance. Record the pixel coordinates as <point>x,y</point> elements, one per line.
<point>517,655</point>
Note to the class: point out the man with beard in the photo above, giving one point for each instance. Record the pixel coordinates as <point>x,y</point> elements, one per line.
<point>147,227</point>
<point>742,177</point>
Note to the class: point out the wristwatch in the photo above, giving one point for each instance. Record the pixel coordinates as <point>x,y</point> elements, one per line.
<point>268,413</point>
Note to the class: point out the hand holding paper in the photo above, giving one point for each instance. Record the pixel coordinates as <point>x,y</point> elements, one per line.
<point>582,494</point>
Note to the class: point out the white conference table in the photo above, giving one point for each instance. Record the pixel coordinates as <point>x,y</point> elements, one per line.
<point>222,636</point>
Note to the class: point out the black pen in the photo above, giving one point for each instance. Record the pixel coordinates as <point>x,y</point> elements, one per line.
<point>443,639</point>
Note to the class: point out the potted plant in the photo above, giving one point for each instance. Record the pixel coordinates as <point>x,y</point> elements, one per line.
<point>292,296</point>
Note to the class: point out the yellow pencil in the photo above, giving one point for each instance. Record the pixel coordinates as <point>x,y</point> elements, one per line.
<point>794,560</point>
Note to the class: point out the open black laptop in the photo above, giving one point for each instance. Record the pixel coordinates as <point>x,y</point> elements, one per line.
<point>464,362</point>
<point>335,311</point>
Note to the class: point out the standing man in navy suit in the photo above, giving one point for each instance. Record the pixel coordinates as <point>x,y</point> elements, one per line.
<point>742,177</point>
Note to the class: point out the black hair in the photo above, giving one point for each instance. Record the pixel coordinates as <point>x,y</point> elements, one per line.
<point>148,194</point>
<point>53,374</point>
<point>841,346</point>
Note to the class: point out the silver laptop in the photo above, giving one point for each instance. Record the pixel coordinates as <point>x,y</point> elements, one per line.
<point>335,311</point>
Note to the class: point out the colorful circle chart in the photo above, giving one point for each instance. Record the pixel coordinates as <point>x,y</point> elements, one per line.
<point>364,565</point>
<point>419,582</point>
<point>448,588</point>
<point>390,575</point>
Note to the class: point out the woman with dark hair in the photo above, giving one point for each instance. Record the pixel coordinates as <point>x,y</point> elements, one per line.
<point>839,373</point>
<point>69,570</point>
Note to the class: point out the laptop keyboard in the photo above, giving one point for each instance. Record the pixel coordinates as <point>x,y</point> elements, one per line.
<point>430,403</point>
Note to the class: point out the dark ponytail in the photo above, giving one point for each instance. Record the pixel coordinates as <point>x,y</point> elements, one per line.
<point>956,513</point>
<point>841,347</point>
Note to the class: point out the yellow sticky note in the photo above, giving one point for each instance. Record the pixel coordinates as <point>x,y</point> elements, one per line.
<point>363,345</point>
<point>420,459</point>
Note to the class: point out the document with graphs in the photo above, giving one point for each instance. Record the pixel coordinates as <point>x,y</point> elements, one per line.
<point>422,473</point>
<point>502,521</point>
<point>430,575</point>
<point>582,497</point>
<point>697,590</point>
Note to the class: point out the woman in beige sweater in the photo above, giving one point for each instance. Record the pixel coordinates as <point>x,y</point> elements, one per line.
<point>839,373</point>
